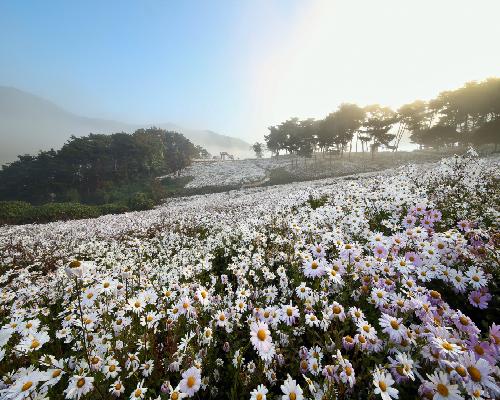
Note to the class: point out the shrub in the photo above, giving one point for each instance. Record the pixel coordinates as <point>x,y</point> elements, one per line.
<point>140,201</point>
<point>13,211</point>
<point>113,208</point>
<point>62,211</point>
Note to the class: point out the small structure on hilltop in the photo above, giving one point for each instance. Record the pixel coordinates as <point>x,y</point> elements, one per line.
<point>224,155</point>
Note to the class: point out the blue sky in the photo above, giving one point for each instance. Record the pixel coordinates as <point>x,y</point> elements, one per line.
<point>239,66</point>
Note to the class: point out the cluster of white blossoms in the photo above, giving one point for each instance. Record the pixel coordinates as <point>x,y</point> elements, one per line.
<point>224,173</point>
<point>382,286</point>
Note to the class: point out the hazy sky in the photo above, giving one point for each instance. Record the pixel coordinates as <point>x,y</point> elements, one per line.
<point>239,66</point>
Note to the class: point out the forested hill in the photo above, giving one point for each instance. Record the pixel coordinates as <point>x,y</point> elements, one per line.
<point>29,123</point>
<point>92,168</point>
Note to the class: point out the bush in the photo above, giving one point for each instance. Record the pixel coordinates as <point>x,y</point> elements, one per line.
<point>280,176</point>
<point>113,208</point>
<point>20,212</point>
<point>12,211</point>
<point>140,201</point>
<point>62,211</point>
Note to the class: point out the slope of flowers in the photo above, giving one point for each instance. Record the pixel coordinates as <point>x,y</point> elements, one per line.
<point>224,173</point>
<point>382,286</point>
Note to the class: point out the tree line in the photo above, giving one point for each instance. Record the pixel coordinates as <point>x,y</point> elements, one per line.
<point>469,115</point>
<point>87,169</point>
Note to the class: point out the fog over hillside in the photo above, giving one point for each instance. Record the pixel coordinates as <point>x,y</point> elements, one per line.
<point>29,123</point>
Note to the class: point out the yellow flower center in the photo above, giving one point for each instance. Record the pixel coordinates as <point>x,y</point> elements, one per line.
<point>292,396</point>
<point>382,385</point>
<point>191,381</point>
<point>442,389</point>
<point>34,344</point>
<point>80,383</point>
<point>26,386</point>
<point>474,373</point>
<point>56,373</point>
<point>261,334</point>
<point>447,346</point>
<point>394,324</point>
<point>478,349</point>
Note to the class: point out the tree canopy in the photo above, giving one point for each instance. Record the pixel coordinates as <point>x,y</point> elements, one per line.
<point>87,167</point>
<point>468,115</point>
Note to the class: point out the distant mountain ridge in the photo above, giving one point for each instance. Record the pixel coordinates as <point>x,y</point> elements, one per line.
<point>29,123</point>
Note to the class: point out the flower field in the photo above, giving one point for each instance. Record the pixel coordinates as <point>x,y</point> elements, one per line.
<point>376,286</point>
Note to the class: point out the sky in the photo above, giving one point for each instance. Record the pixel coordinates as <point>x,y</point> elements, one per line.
<point>240,66</point>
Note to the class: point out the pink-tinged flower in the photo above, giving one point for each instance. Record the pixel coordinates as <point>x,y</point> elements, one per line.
<point>318,251</point>
<point>427,223</point>
<point>418,209</point>
<point>479,372</point>
<point>397,241</point>
<point>414,258</point>
<point>482,349</point>
<point>289,313</point>
<point>464,225</point>
<point>314,268</point>
<point>380,251</point>
<point>328,372</point>
<point>434,215</point>
<point>349,252</point>
<point>361,341</point>
<point>479,298</point>
<point>393,327</point>
<point>348,342</point>
<point>465,324</point>
<point>409,221</point>
<point>346,372</point>
<point>494,334</point>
